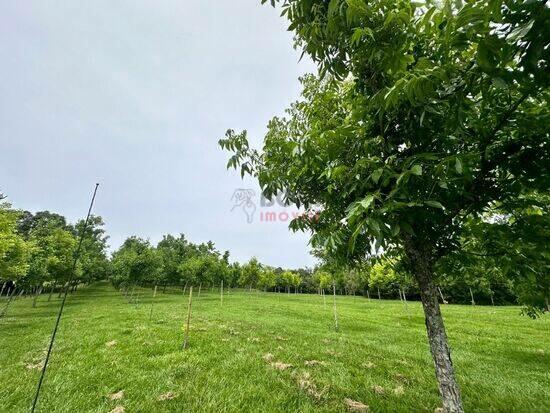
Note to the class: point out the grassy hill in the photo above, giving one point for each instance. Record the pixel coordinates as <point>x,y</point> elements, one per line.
<point>264,352</point>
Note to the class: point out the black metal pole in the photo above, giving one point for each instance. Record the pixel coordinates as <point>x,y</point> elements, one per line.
<point>76,256</point>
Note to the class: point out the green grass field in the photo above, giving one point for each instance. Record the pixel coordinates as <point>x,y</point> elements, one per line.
<point>239,355</point>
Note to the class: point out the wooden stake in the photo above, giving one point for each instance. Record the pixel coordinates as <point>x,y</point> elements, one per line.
<point>186,337</point>
<point>441,295</point>
<point>335,312</point>
<point>221,294</point>
<point>472,295</point>
<point>152,302</point>
<point>368,295</point>
<point>379,293</point>
<point>324,298</point>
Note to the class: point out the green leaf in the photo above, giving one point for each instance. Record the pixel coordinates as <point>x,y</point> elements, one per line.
<point>416,170</point>
<point>520,32</point>
<point>367,202</point>
<point>434,204</point>
<point>376,175</point>
<point>458,165</point>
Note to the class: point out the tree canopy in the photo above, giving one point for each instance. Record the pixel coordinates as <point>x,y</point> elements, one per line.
<point>423,115</point>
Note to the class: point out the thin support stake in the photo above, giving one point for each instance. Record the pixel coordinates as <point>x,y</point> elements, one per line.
<point>335,311</point>
<point>42,374</point>
<point>152,302</point>
<point>186,338</point>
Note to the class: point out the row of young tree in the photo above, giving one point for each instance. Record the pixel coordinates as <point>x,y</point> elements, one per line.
<point>175,261</point>
<point>37,253</point>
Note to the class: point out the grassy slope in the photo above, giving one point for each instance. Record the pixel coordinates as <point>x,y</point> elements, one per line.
<point>502,359</point>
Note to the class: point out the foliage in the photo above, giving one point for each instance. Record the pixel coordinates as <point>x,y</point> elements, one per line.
<point>14,250</point>
<point>135,262</point>
<point>424,115</point>
<point>93,256</point>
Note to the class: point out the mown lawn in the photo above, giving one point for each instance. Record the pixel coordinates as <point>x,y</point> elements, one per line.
<point>239,352</point>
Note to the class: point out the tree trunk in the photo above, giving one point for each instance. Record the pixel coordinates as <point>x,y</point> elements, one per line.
<point>472,295</point>
<point>3,287</point>
<point>10,299</point>
<point>51,292</point>
<point>378,288</point>
<point>36,297</point>
<point>444,371</point>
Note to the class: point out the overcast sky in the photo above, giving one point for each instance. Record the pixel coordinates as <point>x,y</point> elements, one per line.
<point>135,95</point>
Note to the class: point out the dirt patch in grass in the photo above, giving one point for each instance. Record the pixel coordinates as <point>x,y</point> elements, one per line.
<point>117,395</point>
<point>32,366</point>
<point>166,396</point>
<point>279,365</point>
<point>306,384</point>
<point>399,391</point>
<point>355,406</point>
<point>379,390</point>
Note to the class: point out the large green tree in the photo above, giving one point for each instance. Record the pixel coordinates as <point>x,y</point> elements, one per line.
<point>52,257</point>
<point>426,114</point>
<point>172,252</point>
<point>135,263</point>
<point>14,250</point>
<point>93,255</point>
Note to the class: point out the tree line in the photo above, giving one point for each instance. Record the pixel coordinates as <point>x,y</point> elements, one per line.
<point>37,253</point>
